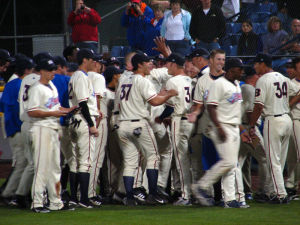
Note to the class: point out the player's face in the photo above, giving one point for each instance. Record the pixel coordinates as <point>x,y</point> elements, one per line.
<point>90,64</point>
<point>170,68</point>
<point>190,69</point>
<point>218,62</point>
<point>258,68</point>
<point>146,67</point>
<point>291,72</point>
<point>48,75</point>
<point>237,73</point>
<point>4,67</point>
<point>297,68</point>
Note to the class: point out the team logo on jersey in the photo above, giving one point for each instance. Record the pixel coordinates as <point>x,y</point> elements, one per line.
<point>52,102</point>
<point>235,98</point>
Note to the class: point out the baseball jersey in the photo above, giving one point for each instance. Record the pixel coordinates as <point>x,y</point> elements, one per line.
<point>228,99</point>
<point>159,77</point>
<point>43,97</point>
<point>80,90</point>
<point>295,111</point>
<point>183,101</point>
<point>27,82</point>
<point>273,91</point>
<point>98,82</point>
<point>135,92</point>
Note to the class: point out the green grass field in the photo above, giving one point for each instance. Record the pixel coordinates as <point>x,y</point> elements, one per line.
<point>264,214</point>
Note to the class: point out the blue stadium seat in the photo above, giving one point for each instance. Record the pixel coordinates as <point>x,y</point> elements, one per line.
<point>274,8</point>
<point>260,17</point>
<point>229,27</point>
<point>263,7</point>
<point>116,51</point>
<point>233,50</point>
<point>256,27</point>
<point>236,28</point>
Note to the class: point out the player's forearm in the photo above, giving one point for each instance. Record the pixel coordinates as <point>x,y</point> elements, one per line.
<point>212,112</point>
<point>160,99</point>
<point>41,114</point>
<point>197,109</point>
<point>255,114</point>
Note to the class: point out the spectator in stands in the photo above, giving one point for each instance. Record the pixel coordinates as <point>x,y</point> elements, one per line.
<point>207,25</point>
<point>275,36</point>
<point>133,19</point>
<point>294,47</point>
<point>84,21</point>
<point>152,29</point>
<point>175,28</point>
<point>284,16</point>
<point>70,53</point>
<point>249,43</point>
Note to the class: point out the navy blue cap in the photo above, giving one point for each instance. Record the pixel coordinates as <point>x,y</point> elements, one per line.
<point>139,58</point>
<point>99,58</point>
<point>199,52</point>
<point>24,62</point>
<point>176,58</point>
<point>59,60</point>
<point>4,55</point>
<point>85,53</point>
<point>46,64</point>
<point>112,60</point>
<point>233,62</point>
<point>266,58</point>
<point>110,71</point>
<point>41,56</point>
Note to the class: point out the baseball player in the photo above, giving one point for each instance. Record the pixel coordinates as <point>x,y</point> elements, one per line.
<point>181,129</point>
<point>43,108</point>
<point>134,131</point>
<point>272,100</point>
<point>5,59</point>
<point>224,108</point>
<point>82,127</point>
<point>9,101</point>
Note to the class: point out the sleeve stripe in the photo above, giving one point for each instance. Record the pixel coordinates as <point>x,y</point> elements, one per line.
<point>169,104</point>
<point>212,103</point>
<point>198,102</point>
<point>33,109</point>
<point>153,96</point>
<point>82,100</point>
<point>258,102</point>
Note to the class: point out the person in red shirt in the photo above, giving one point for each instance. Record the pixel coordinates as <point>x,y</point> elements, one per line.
<point>84,21</point>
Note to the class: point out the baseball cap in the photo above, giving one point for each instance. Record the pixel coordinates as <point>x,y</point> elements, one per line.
<point>72,67</point>
<point>110,71</point>
<point>112,60</point>
<point>4,55</point>
<point>41,56</point>
<point>46,64</point>
<point>289,64</point>
<point>99,58</point>
<point>261,57</point>
<point>233,62</point>
<point>139,58</point>
<point>24,62</point>
<point>199,52</point>
<point>58,60</point>
<point>135,1</point>
<point>85,53</point>
<point>176,58</point>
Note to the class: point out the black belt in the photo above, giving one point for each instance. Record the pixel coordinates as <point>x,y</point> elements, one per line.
<point>184,118</point>
<point>116,113</point>
<point>134,120</point>
<point>278,115</point>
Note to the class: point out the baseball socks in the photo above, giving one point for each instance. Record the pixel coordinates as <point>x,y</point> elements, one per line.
<point>152,176</point>
<point>128,183</point>
<point>73,187</point>
<point>84,179</point>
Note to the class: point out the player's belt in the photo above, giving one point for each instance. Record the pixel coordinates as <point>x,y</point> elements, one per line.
<point>278,115</point>
<point>134,120</point>
<point>116,113</point>
<point>184,118</point>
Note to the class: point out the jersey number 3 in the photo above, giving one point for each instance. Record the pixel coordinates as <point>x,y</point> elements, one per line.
<point>281,91</point>
<point>125,91</point>
<point>25,95</point>
<point>188,94</point>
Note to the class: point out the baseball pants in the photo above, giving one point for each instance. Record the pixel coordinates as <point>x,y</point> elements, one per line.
<point>47,169</point>
<point>277,131</point>
<point>181,131</point>
<point>226,166</point>
<point>99,154</point>
<point>196,157</point>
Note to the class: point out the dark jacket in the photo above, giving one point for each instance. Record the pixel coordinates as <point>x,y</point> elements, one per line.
<point>207,27</point>
<point>249,44</point>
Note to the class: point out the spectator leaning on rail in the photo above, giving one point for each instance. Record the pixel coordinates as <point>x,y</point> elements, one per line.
<point>175,28</point>
<point>207,25</point>
<point>133,17</point>
<point>84,21</point>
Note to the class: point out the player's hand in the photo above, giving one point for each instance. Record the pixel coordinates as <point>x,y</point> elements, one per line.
<point>167,121</point>
<point>245,137</point>
<point>252,132</point>
<point>93,131</point>
<point>192,117</point>
<point>158,120</point>
<point>221,133</point>
<point>59,113</point>
<point>162,46</point>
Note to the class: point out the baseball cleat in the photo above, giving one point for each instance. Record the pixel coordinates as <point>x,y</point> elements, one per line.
<point>118,197</point>
<point>276,200</point>
<point>248,196</point>
<point>86,205</point>
<point>183,202</point>
<point>155,200</point>
<point>129,202</point>
<point>232,204</point>
<point>96,201</point>
<point>40,210</point>
<point>139,194</point>
<point>201,195</point>
<point>261,198</point>
<point>244,205</point>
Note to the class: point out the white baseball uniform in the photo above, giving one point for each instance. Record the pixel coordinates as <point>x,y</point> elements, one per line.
<point>228,98</point>
<point>181,129</point>
<point>98,82</point>
<point>273,91</point>
<point>81,89</point>
<point>45,142</point>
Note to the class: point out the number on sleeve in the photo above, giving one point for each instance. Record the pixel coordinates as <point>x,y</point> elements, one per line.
<point>124,92</point>
<point>25,95</point>
<point>257,92</point>
<point>188,94</point>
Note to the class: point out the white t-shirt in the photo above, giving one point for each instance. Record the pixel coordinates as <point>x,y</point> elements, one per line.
<point>27,82</point>
<point>273,91</point>
<point>134,92</point>
<point>80,90</point>
<point>228,99</point>
<point>45,98</point>
<point>174,28</point>
<point>295,111</point>
<point>183,101</point>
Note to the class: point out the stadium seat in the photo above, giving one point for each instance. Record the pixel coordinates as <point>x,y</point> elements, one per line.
<point>260,17</point>
<point>236,28</point>
<point>233,50</point>
<point>116,51</point>
<point>263,7</point>
<point>229,27</point>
